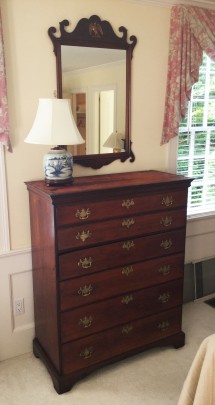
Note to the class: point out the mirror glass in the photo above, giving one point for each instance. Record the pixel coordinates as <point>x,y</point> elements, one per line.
<point>94,72</point>
<point>95,81</point>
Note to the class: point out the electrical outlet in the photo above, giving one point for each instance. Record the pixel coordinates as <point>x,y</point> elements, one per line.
<point>19,307</point>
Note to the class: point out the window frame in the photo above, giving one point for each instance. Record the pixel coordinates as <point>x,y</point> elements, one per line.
<point>173,144</point>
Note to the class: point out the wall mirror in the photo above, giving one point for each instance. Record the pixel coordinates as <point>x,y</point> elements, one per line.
<point>93,67</point>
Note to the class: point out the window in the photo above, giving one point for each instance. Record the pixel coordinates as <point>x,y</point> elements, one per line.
<point>196,141</point>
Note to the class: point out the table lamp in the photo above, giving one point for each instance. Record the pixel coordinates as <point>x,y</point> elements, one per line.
<point>54,124</point>
<point>116,141</point>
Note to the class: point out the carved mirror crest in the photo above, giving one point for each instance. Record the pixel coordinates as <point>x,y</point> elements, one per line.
<point>94,70</point>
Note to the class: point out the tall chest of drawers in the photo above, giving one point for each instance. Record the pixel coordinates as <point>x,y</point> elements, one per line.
<point>108,259</point>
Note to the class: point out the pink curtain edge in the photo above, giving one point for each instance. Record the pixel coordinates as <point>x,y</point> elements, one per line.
<point>4,120</point>
<point>171,131</point>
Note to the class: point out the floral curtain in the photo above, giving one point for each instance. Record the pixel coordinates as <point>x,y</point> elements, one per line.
<point>192,31</point>
<point>4,124</point>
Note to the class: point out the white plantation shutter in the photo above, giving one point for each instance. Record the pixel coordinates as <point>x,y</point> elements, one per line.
<point>196,143</point>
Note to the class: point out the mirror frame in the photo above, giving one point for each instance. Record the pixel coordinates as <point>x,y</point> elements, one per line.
<point>97,33</point>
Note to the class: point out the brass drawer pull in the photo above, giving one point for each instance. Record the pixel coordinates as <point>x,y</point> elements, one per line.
<point>167,201</point>
<point>164,325</point>
<point>83,235</point>
<point>85,291</point>
<point>166,244</point>
<point>128,203</point>
<point>85,263</point>
<point>128,245</point>
<point>164,297</point>
<point>166,221</point>
<point>127,329</point>
<point>87,352</point>
<point>128,222</point>
<point>127,270</point>
<point>165,270</point>
<point>127,299</point>
<point>83,214</point>
<point>86,322</point>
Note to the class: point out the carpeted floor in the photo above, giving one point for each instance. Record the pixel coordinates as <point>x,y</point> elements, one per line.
<point>154,377</point>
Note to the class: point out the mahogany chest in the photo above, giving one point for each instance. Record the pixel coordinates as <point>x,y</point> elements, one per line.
<point>108,260</point>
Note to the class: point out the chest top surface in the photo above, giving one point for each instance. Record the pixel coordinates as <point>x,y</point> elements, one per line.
<point>146,180</point>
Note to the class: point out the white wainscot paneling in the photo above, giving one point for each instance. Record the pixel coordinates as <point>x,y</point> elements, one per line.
<point>200,239</point>
<point>17,332</point>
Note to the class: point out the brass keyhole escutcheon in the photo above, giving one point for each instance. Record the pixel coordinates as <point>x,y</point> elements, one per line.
<point>127,299</point>
<point>164,297</point>
<point>87,352</point>
<point>167,201</point>
<point>165,270</point>
<point>167,221</point>
<point>127,329</point>
<point>164,325</point>
<point>83,214</point>
<point>84,235</point>
<point>128,203</point>
<point>166,244</point>
<point>85,263</point>
<point>86,322</point>
<point>85,291</point>
<point>128,245</point>
<point>128,222</point>
<point>127,270</point>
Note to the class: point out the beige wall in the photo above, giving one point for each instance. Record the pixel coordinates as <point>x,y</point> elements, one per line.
<point>31,74</point>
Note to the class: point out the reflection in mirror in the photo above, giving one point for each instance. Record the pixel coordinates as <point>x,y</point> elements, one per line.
<point>78,104</point>
<point>95,81</point>
<point>106,116</point>
<point>94,72</point>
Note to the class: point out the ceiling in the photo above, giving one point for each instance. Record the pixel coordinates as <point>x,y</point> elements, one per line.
<point>200,3</point>
<point>76,57</point>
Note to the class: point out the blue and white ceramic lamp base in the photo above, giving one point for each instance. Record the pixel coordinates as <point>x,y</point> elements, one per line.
<point>58,167</point>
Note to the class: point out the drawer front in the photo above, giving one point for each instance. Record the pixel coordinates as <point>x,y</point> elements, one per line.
<point>104,257</point>
<point>128,204</point>
<point>124,308</point>
<point>99,286</point>
<point>126,227</point>
<point>94,349</point>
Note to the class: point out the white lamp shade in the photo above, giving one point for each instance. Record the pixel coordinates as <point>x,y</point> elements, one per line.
<point>54,124</point>
<point>115,141</point>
